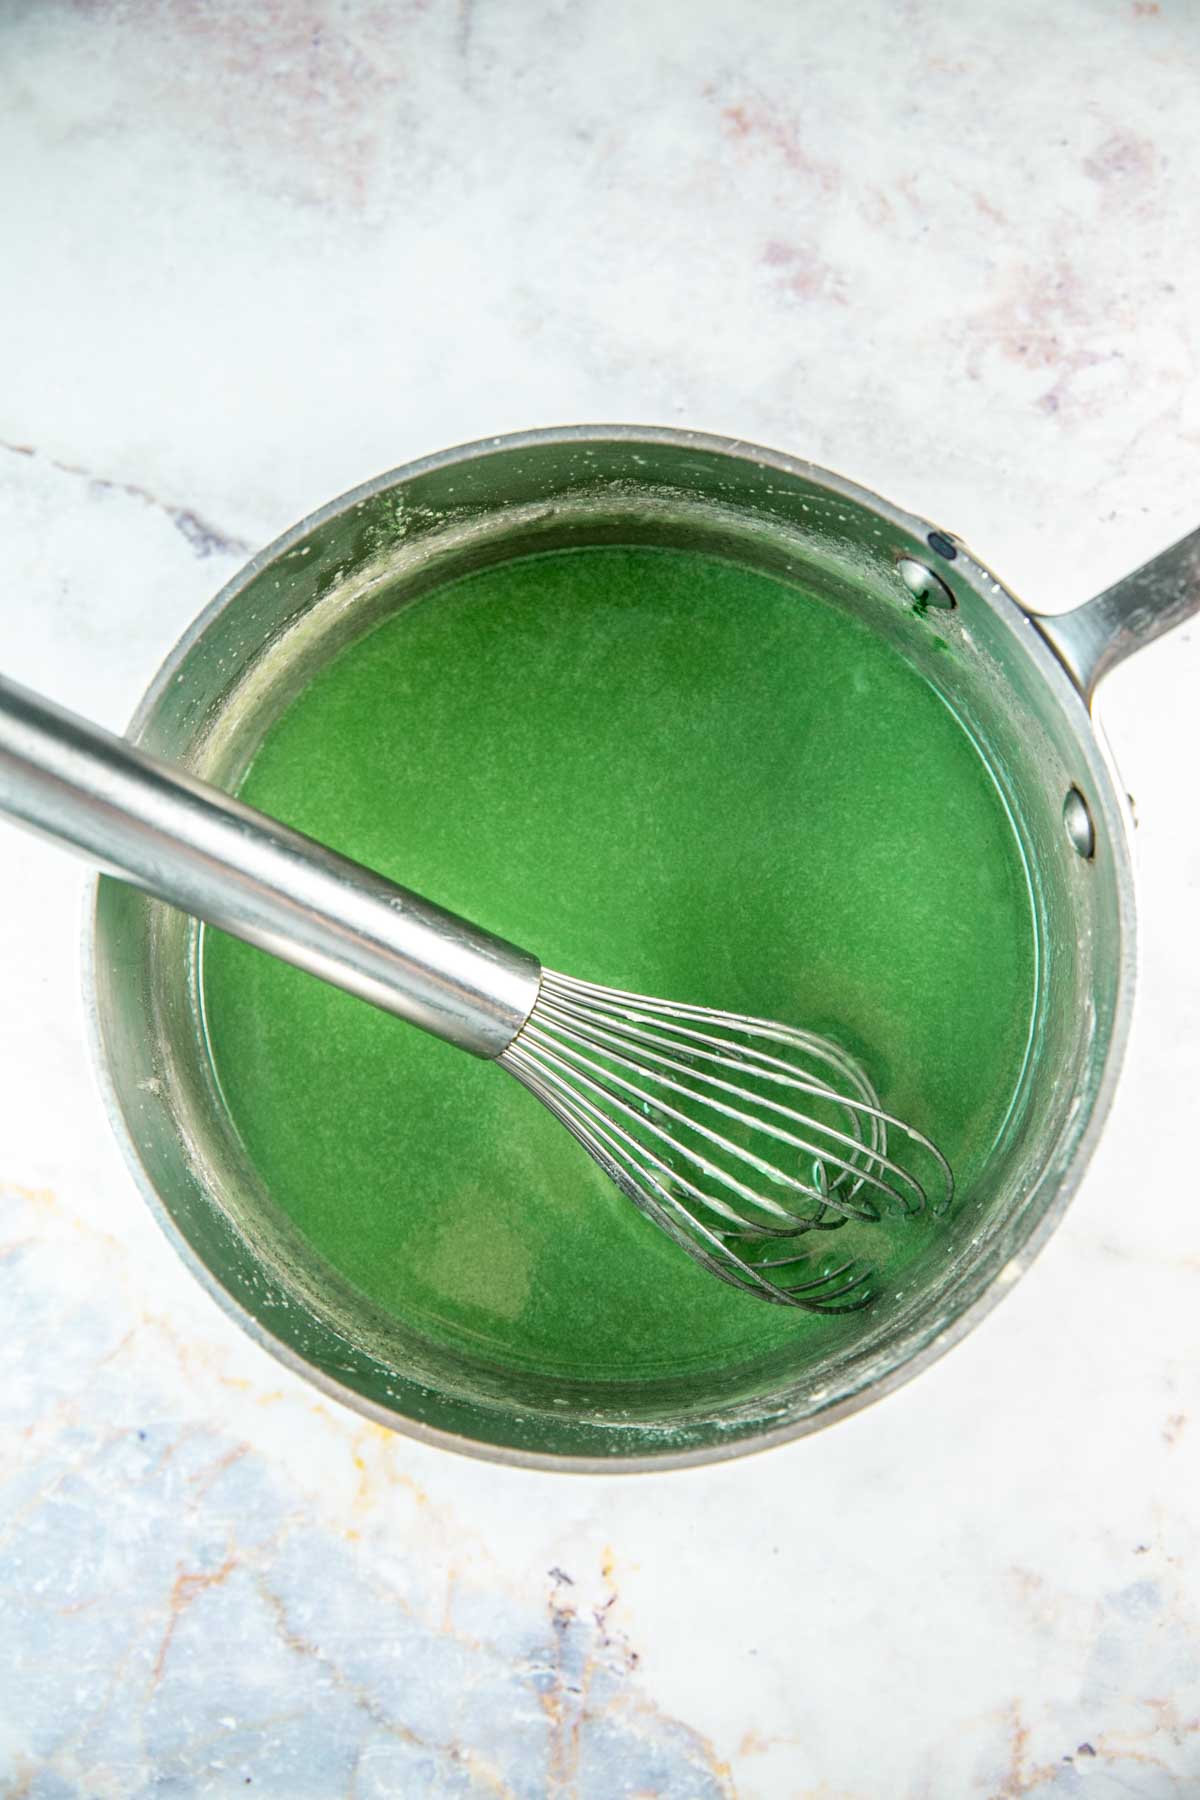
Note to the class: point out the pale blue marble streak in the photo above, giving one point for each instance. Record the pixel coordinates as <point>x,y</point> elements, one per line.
<point>178,1625</point>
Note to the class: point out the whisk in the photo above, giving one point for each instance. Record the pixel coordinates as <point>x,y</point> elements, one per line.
<point>735,1135</point>
<point>740,1138</point>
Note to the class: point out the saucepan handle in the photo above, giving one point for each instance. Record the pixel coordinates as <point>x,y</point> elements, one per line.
<point>1134,611</point>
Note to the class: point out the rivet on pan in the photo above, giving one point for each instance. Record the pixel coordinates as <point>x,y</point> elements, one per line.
<point>927,586</point>
<point>1078,821</point>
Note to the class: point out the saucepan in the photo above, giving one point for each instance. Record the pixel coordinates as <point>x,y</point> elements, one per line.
<point>1023,684</point>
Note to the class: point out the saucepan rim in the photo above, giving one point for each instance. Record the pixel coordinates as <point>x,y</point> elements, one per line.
<point>1107,797</point>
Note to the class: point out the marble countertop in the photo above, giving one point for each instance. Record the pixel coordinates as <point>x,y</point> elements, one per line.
<point>253,255</point>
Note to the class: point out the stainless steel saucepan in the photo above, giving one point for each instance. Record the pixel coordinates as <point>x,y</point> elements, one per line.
<point>1022,684</point>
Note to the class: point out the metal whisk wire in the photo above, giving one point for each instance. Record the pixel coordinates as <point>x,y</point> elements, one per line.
<point>692,1117</point>
<point>738,1136</point>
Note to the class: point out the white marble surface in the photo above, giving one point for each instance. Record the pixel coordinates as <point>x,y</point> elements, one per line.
<point>252,255</point>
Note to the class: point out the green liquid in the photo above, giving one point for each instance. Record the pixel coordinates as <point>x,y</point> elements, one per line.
<point>662,772</point>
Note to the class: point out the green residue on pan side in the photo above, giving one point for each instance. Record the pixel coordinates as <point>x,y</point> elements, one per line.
<point>658,771</point>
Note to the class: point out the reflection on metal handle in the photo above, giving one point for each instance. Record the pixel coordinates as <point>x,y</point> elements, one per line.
<point>1133,612</point>
<point>196,848</point>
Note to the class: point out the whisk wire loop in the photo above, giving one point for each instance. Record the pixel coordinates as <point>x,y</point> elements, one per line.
<point>622,1160</point>
<point>655,1060</point>
<point>692,1112</point>
<point>625,1008</point>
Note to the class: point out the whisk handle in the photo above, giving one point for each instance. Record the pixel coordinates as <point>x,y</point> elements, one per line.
<point>198,849</point>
